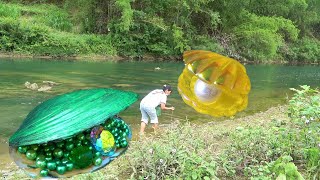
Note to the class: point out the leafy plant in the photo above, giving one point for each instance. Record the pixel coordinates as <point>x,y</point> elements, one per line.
<point>285,169</point>
<point>305,105</point>
<point>313,161</point>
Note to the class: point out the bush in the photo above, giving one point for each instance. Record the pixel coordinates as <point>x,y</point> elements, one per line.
<point>260,38</point>
<point>9,11</point>
<point>16,36</point>
<point>206,43</point>
<point>304,50</point>
<point>304,110</point>
<point>57,19</point>
<point>60,44</point>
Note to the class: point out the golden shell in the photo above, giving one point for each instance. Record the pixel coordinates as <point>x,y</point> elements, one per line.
<point>213,84</point>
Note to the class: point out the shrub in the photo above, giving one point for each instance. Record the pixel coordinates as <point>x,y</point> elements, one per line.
<point>16,36</point>
<point>206,43</point>
<point>259,38</point>
<point>305,50</point>
<point>11,11</point>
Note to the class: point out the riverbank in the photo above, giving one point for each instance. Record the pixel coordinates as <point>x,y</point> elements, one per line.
<point>93,57</point>
<point>217,135</point>
<point>146,58</point>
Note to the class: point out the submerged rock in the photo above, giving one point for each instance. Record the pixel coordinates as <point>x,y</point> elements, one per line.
<point>33,86</point>
<point>47,86</point>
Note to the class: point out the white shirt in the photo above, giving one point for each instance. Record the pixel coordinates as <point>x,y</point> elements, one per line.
<point>154,99</point>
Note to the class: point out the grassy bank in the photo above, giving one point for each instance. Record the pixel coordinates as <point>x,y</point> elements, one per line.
<point>46,30</point>
<point>283,142</point>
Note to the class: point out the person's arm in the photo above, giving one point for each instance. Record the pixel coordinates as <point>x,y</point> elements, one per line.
<point>163,107</point>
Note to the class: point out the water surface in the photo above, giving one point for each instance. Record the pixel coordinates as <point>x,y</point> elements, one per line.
<point>270,86</point>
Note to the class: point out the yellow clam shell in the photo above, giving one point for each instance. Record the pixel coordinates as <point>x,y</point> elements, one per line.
<point>213,84</point>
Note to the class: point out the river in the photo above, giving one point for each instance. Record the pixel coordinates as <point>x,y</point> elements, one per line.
<point>270,86</point>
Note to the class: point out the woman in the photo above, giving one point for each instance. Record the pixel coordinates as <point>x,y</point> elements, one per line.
<point>150,102</point>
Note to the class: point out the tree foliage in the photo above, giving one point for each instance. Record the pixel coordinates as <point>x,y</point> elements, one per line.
<point>257,30</point>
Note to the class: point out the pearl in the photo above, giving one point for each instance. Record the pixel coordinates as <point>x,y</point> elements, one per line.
<point>205,92</point>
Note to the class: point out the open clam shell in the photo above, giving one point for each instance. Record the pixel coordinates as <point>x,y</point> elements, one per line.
<point>213,84</point>
<point>59,137</point>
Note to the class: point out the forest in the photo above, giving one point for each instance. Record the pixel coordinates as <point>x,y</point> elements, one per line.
<point>259,31</point>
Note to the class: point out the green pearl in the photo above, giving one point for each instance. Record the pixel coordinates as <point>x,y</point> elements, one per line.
<point>41,163</point>
<point>22,149</point>
<point>124,144</point>
<point>44,172</point>
<point>51,165</point>
<point>34,147</point>
<point>117,145</point>
<point>31,154</point>
<point>66,154</point>
<point>113,124</point>
<point>81,137</point>
<point>97,161</point>
<point>118,125</point>
<point>78,144</point>
<point>49,153</point>
<point>88,137</point>
<point>81,157</point>
<point>113,131</point>
<point>69,166</point>
<point>70,140</point>
<point>64,160</point>
<point>69,146</point>
<point>97,154</point>
<point>109,126</point>
<point>57,161</point>
<point>48,158</point>
<point>90,147</point>
<point>124,135</point>
<point>46,148</point>
<point>61,169</point>
<point>116,135</point>
<point>86,142</point>
<point>60,144</point>
<point>58,153</point>
<point>41,157</point>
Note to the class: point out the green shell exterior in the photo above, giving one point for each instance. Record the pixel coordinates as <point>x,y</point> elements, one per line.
<point>68,114</point>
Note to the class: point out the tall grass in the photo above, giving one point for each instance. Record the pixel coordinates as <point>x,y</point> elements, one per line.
<point>255,147</point>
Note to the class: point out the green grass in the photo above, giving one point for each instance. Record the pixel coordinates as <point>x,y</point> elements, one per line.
<point>266,145</point>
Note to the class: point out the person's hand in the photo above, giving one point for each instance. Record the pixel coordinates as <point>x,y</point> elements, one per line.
<point>172,108</point>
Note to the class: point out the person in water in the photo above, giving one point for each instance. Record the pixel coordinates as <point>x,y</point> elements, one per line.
<point>149,103</point>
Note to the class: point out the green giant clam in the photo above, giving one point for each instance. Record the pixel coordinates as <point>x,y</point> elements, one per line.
<point>73,133</point>
<point>213,84</point>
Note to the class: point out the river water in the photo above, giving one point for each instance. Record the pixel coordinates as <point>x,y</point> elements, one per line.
<point>270,86</point>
